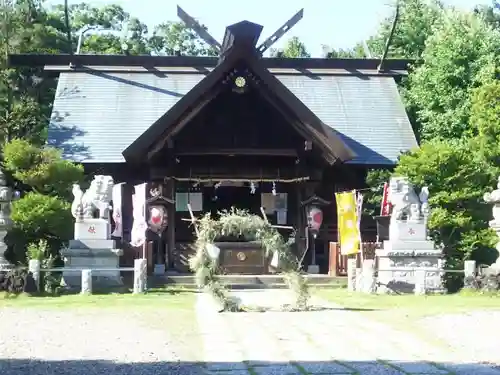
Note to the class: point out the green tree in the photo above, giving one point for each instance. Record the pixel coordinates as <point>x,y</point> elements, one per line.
<point>457,178</point>
<point>375,179</point>
<point>415,23</point>
<point>294,48</point>
<point>41,168</point>
<point>38,217</point>
<point>490,13</point>
<point>485,118</point>
<point>454,93</point>
<point>107,28</point>
<point>461,54</point>
<point>358,52</point>
<point>43,213</point>
<point>485,111</point>
<point>171,38</point>
<point>25,94</point>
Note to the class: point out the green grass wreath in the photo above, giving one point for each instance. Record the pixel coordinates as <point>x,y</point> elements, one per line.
<point>240,223</point>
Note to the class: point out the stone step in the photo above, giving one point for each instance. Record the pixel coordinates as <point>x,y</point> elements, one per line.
<point>248,281</point>
<point>250,286</point>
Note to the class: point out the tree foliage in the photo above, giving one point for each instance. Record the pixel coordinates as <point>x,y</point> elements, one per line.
<point>42,169</point>
<point>38,217</point>
<point>454,175</point>
<point>453,92</point>
<point>26,26</point>
<point>490,13</point>
<point>415,23</point>
<point>43,213</point>
<point>485,110</point>
<point>25,95</point>
<point>294,48</point>
<point>460,55</point>
<point>170,38</point>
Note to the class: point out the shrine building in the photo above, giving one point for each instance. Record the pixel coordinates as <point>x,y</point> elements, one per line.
<point>238,130</point>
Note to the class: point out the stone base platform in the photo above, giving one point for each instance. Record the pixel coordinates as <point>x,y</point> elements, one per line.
<point>397,269</point>
<point>93,255</point>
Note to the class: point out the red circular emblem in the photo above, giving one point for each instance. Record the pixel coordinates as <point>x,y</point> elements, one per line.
<point>156,216</point>
<point>318,217</point>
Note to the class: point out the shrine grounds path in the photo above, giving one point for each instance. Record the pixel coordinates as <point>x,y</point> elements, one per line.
<point>183,334</point>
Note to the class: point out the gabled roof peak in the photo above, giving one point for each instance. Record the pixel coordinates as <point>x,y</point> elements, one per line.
<point>244,34</point>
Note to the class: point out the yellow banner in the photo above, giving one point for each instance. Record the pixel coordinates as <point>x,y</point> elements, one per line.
<point>347,216</point>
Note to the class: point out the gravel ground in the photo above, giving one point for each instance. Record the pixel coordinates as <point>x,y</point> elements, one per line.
<point>89,341</point>
<point>475,334</point>
<point>326,341</point>
<point>329,341</point>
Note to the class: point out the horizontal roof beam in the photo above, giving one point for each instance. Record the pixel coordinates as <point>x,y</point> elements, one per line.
<point>163,71</point>
<point>41,60</point>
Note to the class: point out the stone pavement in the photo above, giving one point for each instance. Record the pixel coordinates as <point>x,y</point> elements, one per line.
<point>330,340</point>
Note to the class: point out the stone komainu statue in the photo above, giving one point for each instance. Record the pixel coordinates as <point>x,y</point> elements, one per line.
<point>406,204</point>
<point>94,200</point>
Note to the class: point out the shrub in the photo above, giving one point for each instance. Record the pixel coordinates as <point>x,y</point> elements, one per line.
<point>37,250</point>
<point>38,217</point>
<point>17,281</point>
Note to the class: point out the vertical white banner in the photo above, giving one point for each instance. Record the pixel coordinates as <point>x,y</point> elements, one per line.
<point>117,209</point>
<point>359,209</point>
<point>139,226</point>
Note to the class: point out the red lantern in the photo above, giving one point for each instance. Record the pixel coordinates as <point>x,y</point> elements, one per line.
<point>314,218</point>
<point>157,218</point>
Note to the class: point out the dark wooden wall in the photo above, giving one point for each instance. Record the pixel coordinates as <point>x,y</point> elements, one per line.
<point>238,121</point>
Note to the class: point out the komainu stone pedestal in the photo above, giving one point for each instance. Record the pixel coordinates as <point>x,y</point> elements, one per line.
<point>408,252</point>
<point>93,253</point>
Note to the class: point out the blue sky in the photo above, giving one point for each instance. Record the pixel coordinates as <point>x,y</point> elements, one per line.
<point>337,23</point>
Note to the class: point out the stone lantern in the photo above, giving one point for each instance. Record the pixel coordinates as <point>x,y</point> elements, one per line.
<point>5,220</point>
<point>494,199</point>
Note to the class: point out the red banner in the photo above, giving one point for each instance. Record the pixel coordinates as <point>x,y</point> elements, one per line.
<point>385,207</point>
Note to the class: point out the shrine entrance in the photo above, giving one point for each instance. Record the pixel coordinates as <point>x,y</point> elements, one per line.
<point>236,195</point>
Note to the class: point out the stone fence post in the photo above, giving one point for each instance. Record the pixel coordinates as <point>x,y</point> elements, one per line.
<point>34,266</point>
<point>86,282</point>
<point>358,280</point>
<point>420,281</point>
<point>368,284</point>
<point>351,274</point>
<point>140,275</point>
<point>470,274</point>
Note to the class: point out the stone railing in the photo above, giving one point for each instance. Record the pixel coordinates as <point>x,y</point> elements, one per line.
<point>366,278</point>
<point>139,270</point>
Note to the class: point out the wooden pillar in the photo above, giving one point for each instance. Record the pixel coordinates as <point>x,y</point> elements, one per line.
<point>333,255</point>
<point>170,193</point>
